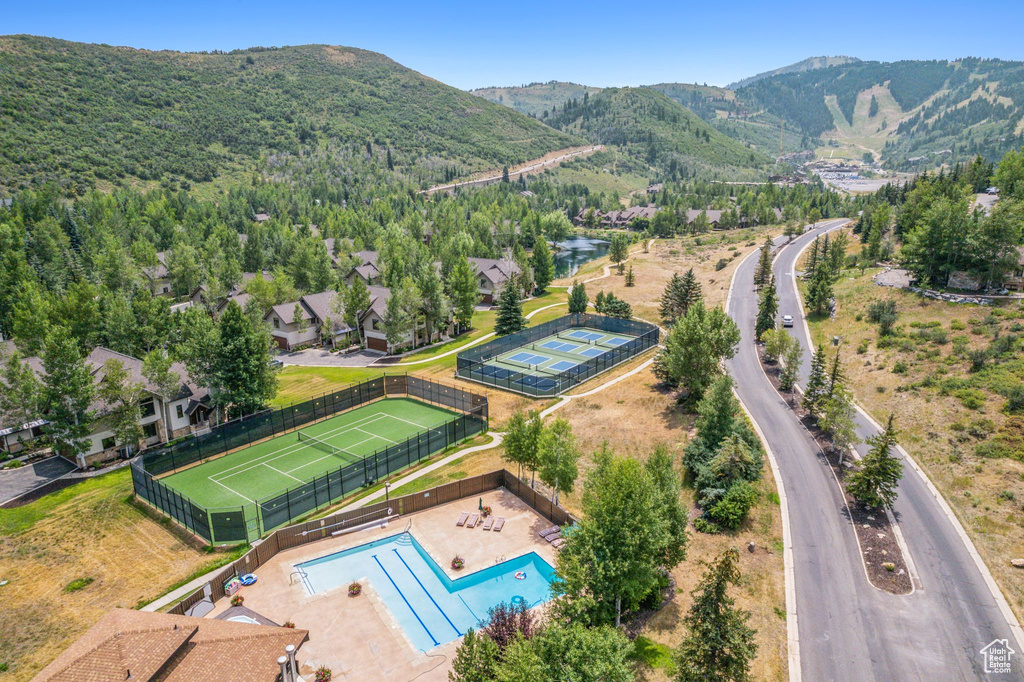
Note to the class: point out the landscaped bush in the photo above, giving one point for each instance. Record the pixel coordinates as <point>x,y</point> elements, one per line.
<point>729,512</point>
<point>322,674</point>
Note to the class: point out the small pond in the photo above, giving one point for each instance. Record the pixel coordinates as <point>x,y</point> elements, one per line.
<point>574,252</point>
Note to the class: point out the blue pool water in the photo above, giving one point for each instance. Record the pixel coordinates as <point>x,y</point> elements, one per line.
<point>430,607</point>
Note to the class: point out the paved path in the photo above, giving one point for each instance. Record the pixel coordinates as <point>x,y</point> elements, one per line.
<point>531,167</point>
<point>847,629</point>
<point>15,483</point>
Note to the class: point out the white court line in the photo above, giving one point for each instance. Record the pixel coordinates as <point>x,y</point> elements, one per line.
<point>320,459</point>
<point>233,491</point>
<point>284,473</point>
<point>419,426</point>
<point>376,436</point>
<point>289,450</point>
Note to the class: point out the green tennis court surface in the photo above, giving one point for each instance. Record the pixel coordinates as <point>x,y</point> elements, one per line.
<point>263,470</point>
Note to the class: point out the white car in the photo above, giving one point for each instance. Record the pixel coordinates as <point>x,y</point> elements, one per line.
<point>787,320</point>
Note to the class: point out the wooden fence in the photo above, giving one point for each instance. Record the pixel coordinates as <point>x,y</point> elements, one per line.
<point>319,529</point>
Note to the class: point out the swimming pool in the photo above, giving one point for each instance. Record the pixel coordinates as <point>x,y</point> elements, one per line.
<point>431,607</point>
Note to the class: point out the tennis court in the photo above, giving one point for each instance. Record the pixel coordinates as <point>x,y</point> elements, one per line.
<point>263,470</point>
<point>548,357</point>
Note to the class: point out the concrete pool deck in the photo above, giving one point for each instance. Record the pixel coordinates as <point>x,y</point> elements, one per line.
<point>357,637</point>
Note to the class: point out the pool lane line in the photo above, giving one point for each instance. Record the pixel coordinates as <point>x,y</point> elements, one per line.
<point>429,596</point>
<point>432,639</point>
<point>478,619</point>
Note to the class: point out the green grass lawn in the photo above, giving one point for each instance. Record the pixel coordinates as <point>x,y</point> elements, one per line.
<point>263,470</point>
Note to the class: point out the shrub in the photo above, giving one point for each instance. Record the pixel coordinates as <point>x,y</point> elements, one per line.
<point>971,398</point>
<point>78,584</point>
<point>458,562</point>
<point>720,265</point>
<point>977,359</point>
<point>899,368</point>
<point>354,589</point>
<point>957,325</point>
<point>730,511</point>
<point>1007,496</point>
<point>237,600</point>
<point>508,622</point>
<point>1014,399</point>
<point>862,348</point>
<point>322,674</point>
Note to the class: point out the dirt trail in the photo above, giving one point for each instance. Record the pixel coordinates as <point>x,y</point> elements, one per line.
<point>549,160</point>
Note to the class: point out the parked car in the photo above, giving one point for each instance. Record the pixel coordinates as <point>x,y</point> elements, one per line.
<point>787,320</point>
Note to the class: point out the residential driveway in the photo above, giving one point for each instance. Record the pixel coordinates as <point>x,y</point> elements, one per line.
<point>16,482</point>
<point>318,357</point>
<point>848,630</point>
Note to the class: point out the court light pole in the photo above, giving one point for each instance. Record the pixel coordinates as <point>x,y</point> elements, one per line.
<point>387,487</point>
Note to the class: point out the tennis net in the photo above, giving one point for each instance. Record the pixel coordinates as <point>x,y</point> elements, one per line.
<point>516,363</point>
<point>326,447</point>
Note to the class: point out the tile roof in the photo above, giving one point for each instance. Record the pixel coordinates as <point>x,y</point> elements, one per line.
<point>142,645</point>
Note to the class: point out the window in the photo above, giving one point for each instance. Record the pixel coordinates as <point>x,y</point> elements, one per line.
<point>167,290</point>
<point>483,283</point>
<point>277,323</point>
<point>147,408</point>
<point>376,324</point>
<point>181,412</point>
<point>149,430</point>
<point>109,442</point>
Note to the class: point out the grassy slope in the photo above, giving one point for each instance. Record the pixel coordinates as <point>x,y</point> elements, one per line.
<point>81,113</point>
<point>89,530</point>
<point>535,98</point>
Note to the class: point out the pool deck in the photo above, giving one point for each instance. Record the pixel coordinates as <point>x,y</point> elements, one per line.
<point>356,637</point>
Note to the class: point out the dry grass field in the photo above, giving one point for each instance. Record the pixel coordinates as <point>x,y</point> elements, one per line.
<point>91,534</point>
<point>947,415</point>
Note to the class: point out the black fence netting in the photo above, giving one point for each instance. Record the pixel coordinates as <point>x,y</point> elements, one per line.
<point>474,364</point>
<point>250,521</point>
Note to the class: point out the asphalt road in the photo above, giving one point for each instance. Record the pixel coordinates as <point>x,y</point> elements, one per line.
<point>849,630</point>
<point>15,483</point>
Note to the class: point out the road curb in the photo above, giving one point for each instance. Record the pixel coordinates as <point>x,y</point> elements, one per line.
<point>789,567</point>
<point>788,563</point>
<point>972,550</point>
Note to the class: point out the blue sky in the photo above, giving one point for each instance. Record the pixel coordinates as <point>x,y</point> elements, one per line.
<point>475,44</point>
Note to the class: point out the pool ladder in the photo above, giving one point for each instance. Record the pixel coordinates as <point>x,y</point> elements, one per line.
<point>297,572</point>
<point>499,559</point>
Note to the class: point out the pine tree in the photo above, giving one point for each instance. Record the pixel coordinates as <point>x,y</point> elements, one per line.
<point>680,293</point>
<point>543,265</point>
<point>813,256</point>
<point>510,309</point>
<point>835,377</point>
<point>578,298</point>
<point>599,302</point>
<point>691,293</point>
<point>630,277</point>
<point>670,300</point>
<point>874,482</point>
<point>819,290</point>
<point>719,645</point>
<point>767,308</point>
<point>504,174</point>
<point>817,382</point>
<point>391,163</point>
<point>764,264</point>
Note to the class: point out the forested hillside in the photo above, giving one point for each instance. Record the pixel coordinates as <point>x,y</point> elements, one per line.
<point>915,113</point>
<point>80,113</point>
<point>535,99</point>
<point>653,128</point>
<point>809,64</point>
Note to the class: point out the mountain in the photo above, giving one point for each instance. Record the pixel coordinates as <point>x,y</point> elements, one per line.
<point>84,114</point>
<point>649,126</point>
<point>809,64</point>
<point>536,98</point>
<point>913,114</point>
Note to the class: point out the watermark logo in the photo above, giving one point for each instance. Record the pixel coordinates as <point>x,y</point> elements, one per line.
<point>996,655</point>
